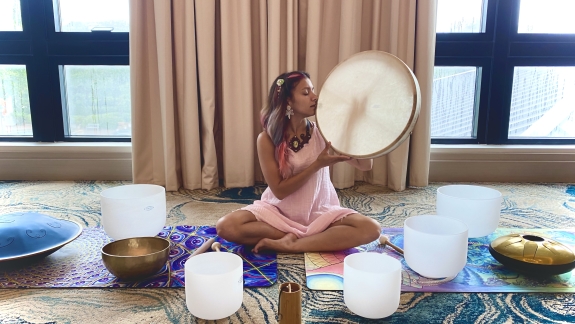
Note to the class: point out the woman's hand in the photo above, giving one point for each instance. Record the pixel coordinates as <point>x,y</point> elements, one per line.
<point>326,159</point>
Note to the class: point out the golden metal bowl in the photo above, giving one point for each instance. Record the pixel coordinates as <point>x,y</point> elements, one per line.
<point>532,254</point>
<point>136,258</point>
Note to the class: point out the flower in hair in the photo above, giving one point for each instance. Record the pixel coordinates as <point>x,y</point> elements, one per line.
<point>279,83</point>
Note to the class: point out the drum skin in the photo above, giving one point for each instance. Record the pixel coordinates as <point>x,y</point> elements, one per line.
<point>368,105</point>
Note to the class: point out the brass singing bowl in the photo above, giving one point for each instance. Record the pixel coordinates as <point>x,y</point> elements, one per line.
<point>532,254</point>
<point>136,258</point>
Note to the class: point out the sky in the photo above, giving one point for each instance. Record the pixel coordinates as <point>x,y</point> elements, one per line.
<point>90,10</point>
<point>70,10</point>
<point>536,16</point>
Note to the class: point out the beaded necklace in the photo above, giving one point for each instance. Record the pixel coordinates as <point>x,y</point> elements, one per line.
<point>295,143</point>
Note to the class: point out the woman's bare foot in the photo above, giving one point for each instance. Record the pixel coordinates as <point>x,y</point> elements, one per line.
<point>285,244</point>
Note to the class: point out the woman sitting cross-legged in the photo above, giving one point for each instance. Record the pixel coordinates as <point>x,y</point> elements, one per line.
<point>300,210</point>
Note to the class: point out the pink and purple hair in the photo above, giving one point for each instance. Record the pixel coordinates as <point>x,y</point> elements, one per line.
<point>273,117</point>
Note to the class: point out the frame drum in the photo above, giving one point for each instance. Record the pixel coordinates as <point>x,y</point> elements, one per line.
<point>368,105</point>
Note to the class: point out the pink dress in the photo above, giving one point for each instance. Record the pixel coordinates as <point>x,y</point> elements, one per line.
<point>310,209</point>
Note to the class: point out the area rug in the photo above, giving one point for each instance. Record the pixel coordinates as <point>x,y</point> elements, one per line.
<point>482,273</point>
<point>524,206</point>
<point>79,264</point>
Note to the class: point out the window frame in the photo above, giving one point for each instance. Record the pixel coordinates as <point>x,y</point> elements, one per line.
<point>497,51</point>
<point>43,50</point>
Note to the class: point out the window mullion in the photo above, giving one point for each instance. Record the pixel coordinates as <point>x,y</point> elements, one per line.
<point>501,75</point>
<point>43,80</point>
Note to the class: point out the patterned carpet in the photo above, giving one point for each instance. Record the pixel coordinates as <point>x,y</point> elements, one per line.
<point>525,206</point>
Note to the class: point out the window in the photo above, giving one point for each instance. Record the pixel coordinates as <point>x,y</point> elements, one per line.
<point>542,102</point>
<point>14,101</point>
<point>456,16</point>
<point>453,104</point>
<point>504,72</point>
<point>96,98</point>
<point>91,15</point>
<point>10,15</point>
<point>64,70</point>
<point>546,17</point>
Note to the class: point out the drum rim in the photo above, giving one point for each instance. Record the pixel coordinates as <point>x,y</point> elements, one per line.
<point>405,133</point>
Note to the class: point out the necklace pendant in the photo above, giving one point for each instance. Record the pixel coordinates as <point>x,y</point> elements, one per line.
<point>296,144</point>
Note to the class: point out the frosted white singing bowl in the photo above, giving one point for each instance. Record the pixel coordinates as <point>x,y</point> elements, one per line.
<point>371,284</point>
<point>435,246</point>
<point>214,285</point>
<point>137,210</point>
<point>478,207</point>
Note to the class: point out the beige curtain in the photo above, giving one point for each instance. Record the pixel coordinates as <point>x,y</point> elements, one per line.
<point>201,70</point>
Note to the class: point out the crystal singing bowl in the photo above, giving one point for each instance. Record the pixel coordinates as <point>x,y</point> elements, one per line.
<point>136,258</point>
<point>532,254</point>
<point>214,284</point>
<point>133,210</point>
<point>371,284</point>
<point>478,207</point>
<point>435,246</point>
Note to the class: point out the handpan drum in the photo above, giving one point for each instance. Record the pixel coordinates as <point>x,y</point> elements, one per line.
<point>368,105</point>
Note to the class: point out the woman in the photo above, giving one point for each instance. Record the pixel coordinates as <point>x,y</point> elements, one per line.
<point>299,211</point>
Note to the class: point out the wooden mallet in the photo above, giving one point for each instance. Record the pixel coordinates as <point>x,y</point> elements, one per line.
<point>216,246</point>
<point>207,244</point>
<point>384,240</point>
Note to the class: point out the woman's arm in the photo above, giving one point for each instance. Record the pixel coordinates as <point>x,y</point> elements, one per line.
<point>280,187</point>
<point>361,164</point>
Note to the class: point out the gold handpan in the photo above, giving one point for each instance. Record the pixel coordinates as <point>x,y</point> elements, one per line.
<point>368,105</point>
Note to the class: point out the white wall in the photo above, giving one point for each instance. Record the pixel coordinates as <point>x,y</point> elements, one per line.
<point>502,163</point>
<point>65,161</point>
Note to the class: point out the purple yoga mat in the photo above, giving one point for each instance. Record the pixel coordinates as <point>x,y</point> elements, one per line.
<point>79,263</point>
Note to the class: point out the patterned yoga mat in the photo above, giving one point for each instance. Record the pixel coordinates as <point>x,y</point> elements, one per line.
<point>324,271</point>
<point>79,263</point>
